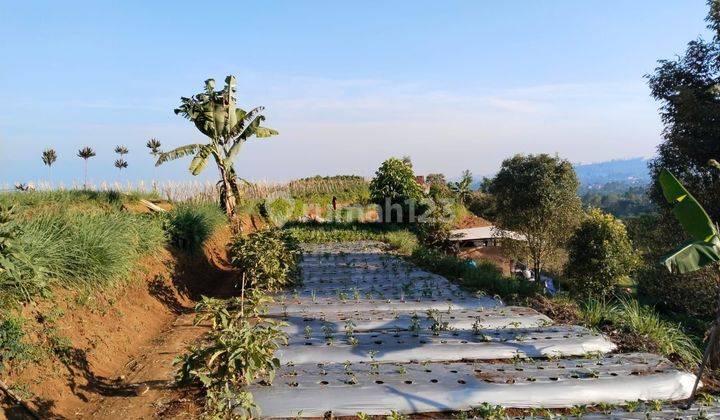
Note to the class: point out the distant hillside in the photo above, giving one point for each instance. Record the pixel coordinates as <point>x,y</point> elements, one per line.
<point>625,171</point>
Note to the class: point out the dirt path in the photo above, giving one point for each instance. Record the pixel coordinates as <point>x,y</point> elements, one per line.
<point>145,386</point>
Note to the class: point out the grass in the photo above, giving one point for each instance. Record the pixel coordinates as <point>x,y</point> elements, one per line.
<point>75,239</point>
<point>643,327</point>
<point>190,224</point>
<point>398,237</point>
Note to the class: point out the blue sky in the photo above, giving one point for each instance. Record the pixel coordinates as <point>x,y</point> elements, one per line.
<point>454,85</point>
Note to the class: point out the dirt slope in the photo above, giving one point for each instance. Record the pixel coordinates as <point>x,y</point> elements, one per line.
<point>119,347</point>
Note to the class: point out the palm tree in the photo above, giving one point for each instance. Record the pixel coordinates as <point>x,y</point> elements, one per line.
<point>154,145</point>
<point>463,188</point>
<point>86,153</point>
<point>121,164</point>
<point>49,157</point>
<point>214,113</point>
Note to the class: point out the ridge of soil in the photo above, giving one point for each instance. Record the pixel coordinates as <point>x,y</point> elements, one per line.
<point>119,345</point>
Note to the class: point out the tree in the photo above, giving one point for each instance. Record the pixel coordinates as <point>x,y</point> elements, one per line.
<point>121,163</point>
<point>86,153</point>
<point>438,186</point>
<point>463,188</point>
<point>600,255</point>
<point>689,90</point>
<point>215,114</point>
<point>49,157</point>
<point>536,196</point>
<point>154,145</point>
<point>395,190</point>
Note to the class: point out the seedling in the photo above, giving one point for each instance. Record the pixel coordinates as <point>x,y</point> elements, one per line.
<point>308,332</point>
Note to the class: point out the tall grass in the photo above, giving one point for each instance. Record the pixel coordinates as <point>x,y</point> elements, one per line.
<point>190,224</point>
<point>645,324</point>
<point>75,240</point>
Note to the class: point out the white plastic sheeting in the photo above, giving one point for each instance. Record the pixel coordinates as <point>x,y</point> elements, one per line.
<point>407,346</point>
<point>464,319</point>
<point>345,389</point>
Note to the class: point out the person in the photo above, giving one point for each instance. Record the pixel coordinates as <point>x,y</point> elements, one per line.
<point>334,203</point>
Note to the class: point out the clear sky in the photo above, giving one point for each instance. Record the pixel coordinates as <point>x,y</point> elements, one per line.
<point>453,84</point>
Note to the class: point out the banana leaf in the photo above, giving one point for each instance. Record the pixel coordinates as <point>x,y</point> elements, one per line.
<point>704,248</point>
<point>692,255</point>
<point>693,218</point>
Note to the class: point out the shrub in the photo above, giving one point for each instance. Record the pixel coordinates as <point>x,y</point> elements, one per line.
<point>394,185</point>
<point>600,255</point>
<point>189,225</point>
<point>268,258</point>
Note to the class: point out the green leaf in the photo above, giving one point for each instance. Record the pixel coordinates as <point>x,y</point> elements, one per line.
<point>693,255</point>
<point>687,210</point>
<point>201,159</point>
<point>177,153</point>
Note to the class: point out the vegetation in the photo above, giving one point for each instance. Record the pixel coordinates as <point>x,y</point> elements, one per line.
<point>190,224</point>
<point>619,199</point>
<point>396,192</point>
<point>48,158</point>
<point>214,113</point>
<point>641,327</point>
<point>268,259</point>
<point>485,278</point>
<point>154,145</point>
<point>234,353</point>
<point>86,153</point>
<point>600,255</point>
<point>463,188</point>
<point>70,240</point>
<point>398,237</point>
<point>536,196</point>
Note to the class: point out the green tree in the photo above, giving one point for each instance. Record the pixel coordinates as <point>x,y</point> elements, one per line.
<point>688,89</point>
<point>536,196</point>
<point>397,193</point>
<point>86,153</point>
<point>49,157</point>
<point>600,255</point>
<point>463,188</point>
<point>215,114</point>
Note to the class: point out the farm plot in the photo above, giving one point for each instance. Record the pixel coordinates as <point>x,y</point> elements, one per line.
<point>371,333</point>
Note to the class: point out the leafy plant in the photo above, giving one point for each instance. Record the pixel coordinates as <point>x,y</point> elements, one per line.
<point>463,188</point>
<point>215,114</point>
<point>269,258</point>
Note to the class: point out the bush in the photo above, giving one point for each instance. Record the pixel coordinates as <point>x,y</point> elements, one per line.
<point>600,255</point>
<point>694,294</point>
<point>394,185</point>
<point>189,225</point>
<point>268,259</point>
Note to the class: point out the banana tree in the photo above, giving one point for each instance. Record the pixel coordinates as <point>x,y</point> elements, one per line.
<point>215,114</point>
<point>701,250</point>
